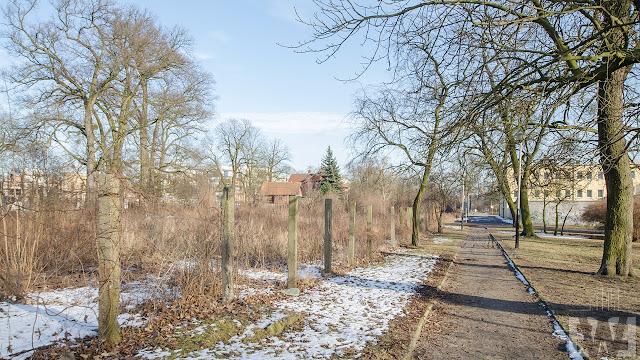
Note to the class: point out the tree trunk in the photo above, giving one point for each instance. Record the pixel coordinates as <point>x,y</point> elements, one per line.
<point>544,215</point>
<point>109,206</point>
<point>616,257</point>
<point>555,230</point>
<point>145,166</point>
<point>525,212</point>
<point>91,192</point>
<point>415,234</point>
<point>439,219</point>
<point>564,221</point>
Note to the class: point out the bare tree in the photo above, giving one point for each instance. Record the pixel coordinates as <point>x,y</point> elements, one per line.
<point>232,138</point>
<point>65,60</point>
<point>276,156</point>
<point>95,57</point>
<point>414,118</point>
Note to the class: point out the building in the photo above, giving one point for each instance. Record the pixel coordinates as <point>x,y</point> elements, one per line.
<point>279,192</point>
<point>567,190</point>
<point>309,181</point>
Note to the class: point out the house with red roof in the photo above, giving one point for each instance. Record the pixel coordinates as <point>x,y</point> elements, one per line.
<point>309,181</point>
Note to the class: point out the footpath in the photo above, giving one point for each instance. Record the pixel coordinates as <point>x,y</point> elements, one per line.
<point>484,312</point>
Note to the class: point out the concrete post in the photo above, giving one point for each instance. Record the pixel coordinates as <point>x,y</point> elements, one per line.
<point>228,246</point>
<point>328,214</point>
<point>352,233</point>
<point>394,243</point>
<point>369,230</point>
<point>292,255</point>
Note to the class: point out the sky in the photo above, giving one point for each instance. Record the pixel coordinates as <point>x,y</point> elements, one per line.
<point>287,94</point>
<point>246,46</point>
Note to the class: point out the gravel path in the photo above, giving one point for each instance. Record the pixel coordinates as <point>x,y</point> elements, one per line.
<point>484,312</point>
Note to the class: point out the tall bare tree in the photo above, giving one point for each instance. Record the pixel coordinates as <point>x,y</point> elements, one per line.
<point>92,56</point>
<point>276,156</point>
<point>64,60</point>
<point>414,118</point>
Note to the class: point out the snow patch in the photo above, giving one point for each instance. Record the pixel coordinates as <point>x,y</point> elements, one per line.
<point>573,237</point>
<point>558,332</point>
<point>441,240</point>
<point>47,317</point>
<point>341,313</point>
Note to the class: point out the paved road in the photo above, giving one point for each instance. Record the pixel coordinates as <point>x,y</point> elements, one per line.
<point>496,221</point>
<point>485,312</point>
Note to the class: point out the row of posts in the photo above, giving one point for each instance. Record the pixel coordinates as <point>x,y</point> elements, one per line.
<point>228,250</point>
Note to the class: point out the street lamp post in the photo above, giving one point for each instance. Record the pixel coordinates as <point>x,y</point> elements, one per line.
<point>518,138</point>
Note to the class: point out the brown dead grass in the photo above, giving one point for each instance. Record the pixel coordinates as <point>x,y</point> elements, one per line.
<point>597,310</point>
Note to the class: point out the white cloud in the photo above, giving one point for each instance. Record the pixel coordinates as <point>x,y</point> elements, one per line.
<point>293,123</point>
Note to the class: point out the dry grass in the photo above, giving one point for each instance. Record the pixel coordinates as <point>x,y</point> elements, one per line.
<point>601,312</point>
<point>156,237</point>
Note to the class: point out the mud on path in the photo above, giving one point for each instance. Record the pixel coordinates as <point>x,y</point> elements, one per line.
<point>485,312</point>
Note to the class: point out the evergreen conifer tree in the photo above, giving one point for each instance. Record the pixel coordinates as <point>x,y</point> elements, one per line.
<point>331,179</point>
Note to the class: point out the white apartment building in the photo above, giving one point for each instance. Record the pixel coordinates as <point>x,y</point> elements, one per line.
<point>571,188</point>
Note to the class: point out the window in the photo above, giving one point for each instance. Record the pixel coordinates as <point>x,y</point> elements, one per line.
<point>546,175</point>
<point>537,193</point>
<point>600,193</point>
<point>589,193</point>
<point>600,175</point>
<point>580,175</point>
<point>579,193</point>
<point>559,194</point>
<point>633,174</point>
<point>589,175</point>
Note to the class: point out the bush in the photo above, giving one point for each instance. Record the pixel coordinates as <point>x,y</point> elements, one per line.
<point>597,212</point>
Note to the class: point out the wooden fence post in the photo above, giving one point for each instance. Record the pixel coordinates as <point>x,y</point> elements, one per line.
<point>369,230</point>
<point>352,233</point>
<point>393,227</point>
<point>228,246</point>
<point>292,258</point>
<point>328,213</point>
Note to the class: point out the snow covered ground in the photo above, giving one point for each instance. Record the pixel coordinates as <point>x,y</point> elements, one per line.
<point>342,312</point>
<point>56,315</point>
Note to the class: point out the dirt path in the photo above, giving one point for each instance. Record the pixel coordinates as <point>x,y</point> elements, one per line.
<point>484,312</point>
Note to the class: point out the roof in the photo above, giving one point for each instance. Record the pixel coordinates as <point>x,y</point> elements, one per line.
<point>281,188</point>
<point>298,177</point>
